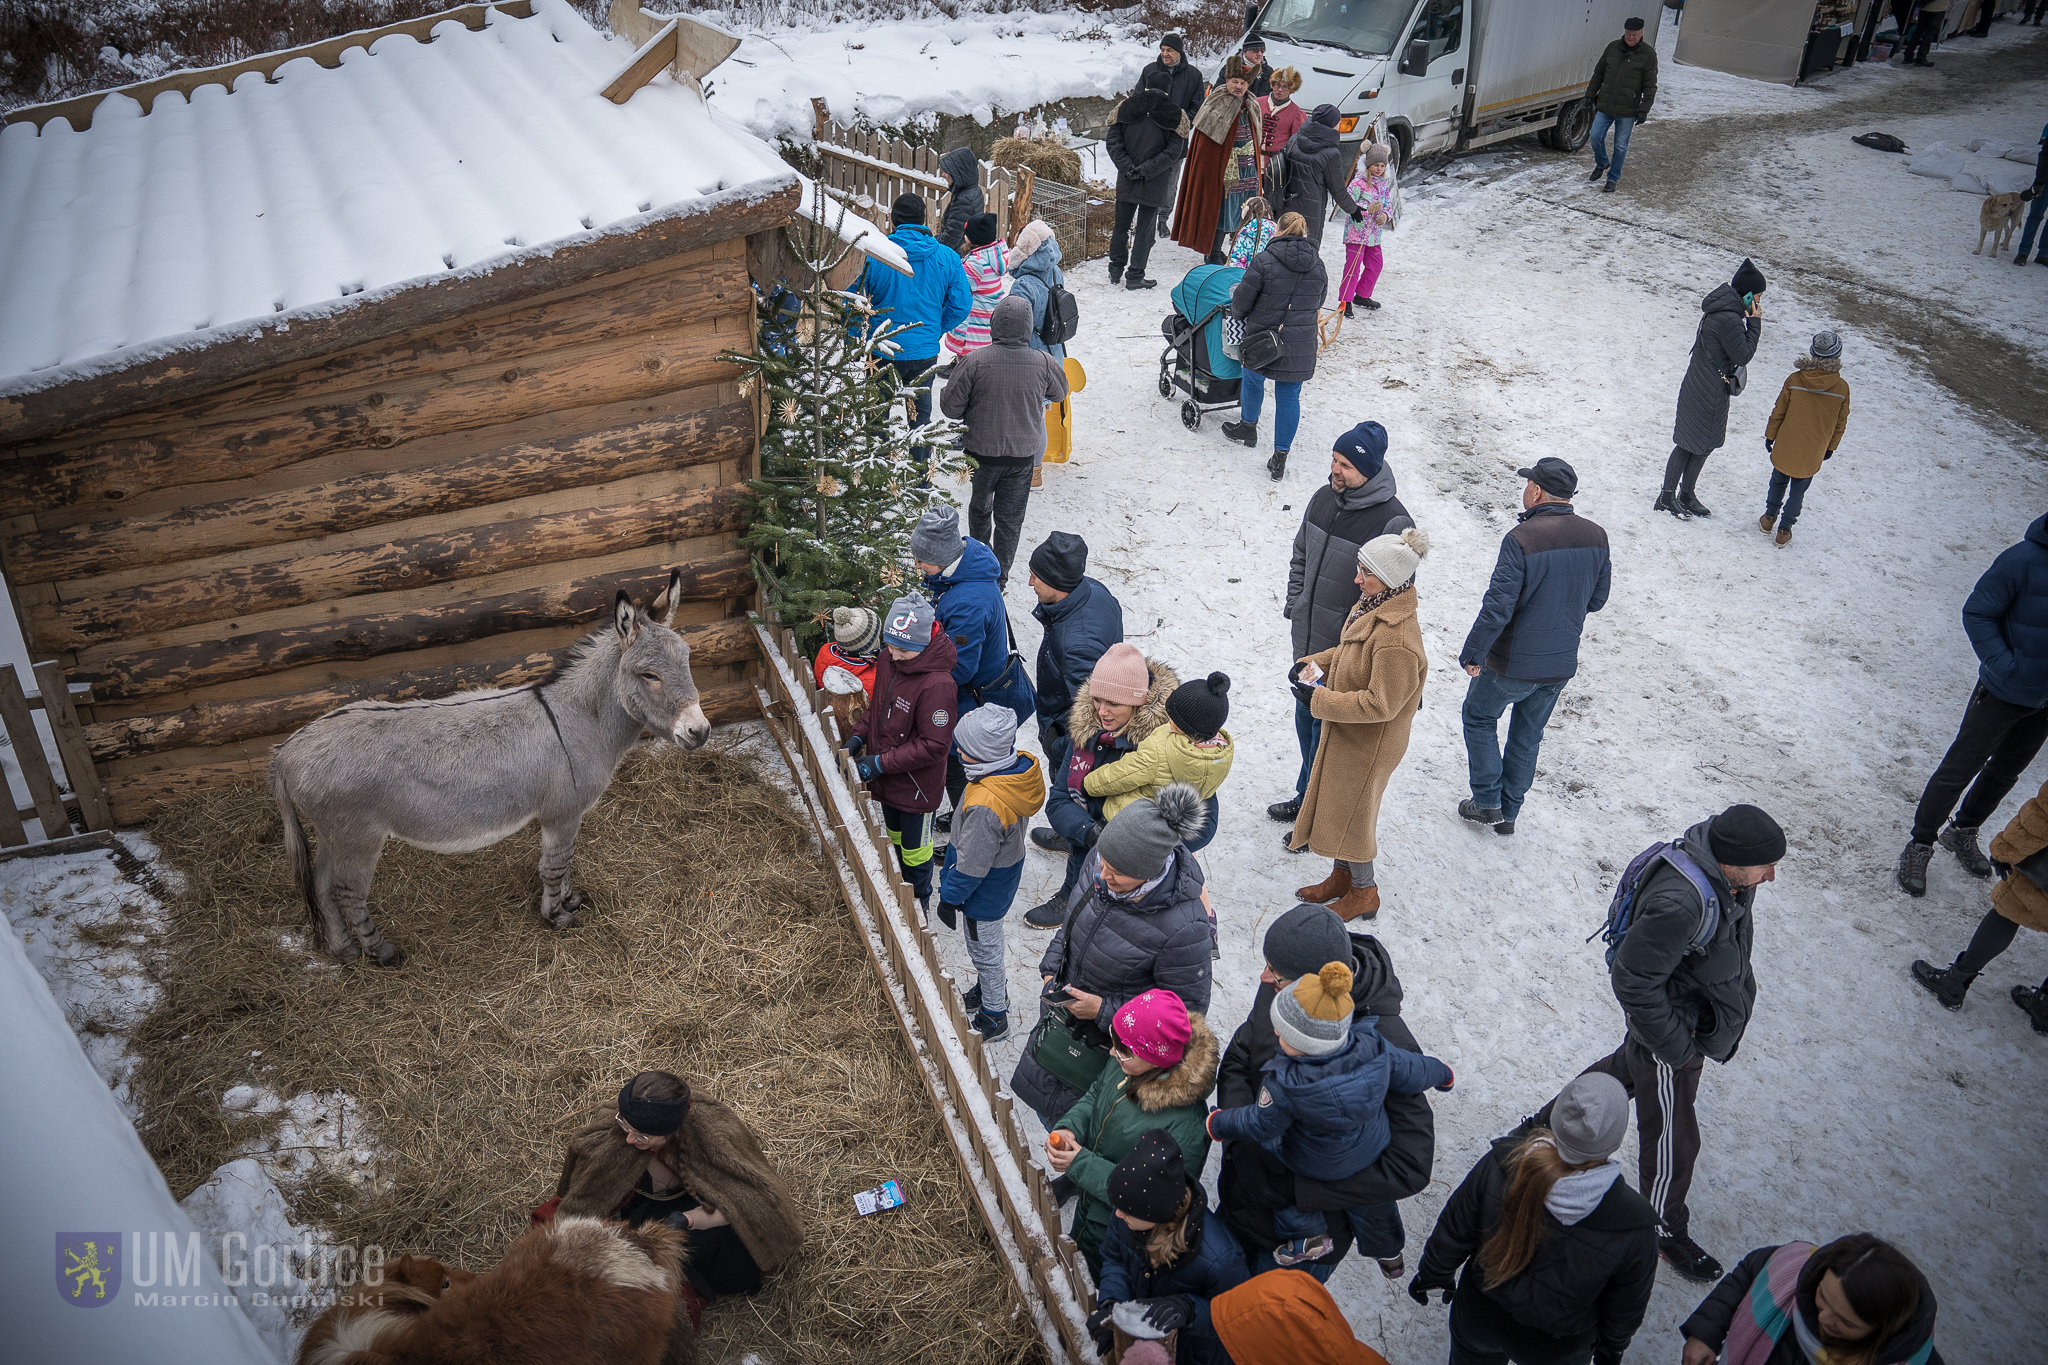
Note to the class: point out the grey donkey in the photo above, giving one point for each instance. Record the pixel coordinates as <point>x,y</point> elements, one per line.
<point>459,773</point>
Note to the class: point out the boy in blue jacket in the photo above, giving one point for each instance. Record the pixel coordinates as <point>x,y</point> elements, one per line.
<point>930,301</point>
<point>985,856</point>
<point>1321,1111</point>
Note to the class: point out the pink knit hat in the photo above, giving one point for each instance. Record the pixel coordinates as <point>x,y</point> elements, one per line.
<point>1155,1028</point>
<point>1146,1353</point>
<point>1121,676</point>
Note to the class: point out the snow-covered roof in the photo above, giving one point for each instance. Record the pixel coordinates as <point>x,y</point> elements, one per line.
<point>149,232</point>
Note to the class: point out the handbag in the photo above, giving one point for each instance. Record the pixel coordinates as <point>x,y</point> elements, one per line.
<point>1011,668</point>
<point>1738,381</point>
<point>1063,1046</point>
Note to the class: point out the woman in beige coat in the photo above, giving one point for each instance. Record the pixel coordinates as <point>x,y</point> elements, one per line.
<point>1807,424</point>
<point>1366,692</point>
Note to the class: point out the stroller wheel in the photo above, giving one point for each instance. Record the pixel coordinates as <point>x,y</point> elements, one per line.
<point>1165,384</point>
<point>1190,415</point>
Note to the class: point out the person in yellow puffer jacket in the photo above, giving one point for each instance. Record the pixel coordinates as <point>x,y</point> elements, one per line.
<point>1192,747</point>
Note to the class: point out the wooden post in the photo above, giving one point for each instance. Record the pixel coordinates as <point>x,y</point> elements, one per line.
<point>28,752</point>
<point>71,746</point>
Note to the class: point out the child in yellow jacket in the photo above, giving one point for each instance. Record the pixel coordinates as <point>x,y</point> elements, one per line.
<point>1192,747</point>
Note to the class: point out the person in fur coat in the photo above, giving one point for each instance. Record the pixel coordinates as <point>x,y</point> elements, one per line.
<point>2019,900</point>
<point>1223,163</point>
<point>1805,428</point>
<point>669,1155</point>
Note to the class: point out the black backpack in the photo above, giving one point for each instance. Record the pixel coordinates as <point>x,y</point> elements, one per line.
<point>1275,187</point>
<point>1062,317</point>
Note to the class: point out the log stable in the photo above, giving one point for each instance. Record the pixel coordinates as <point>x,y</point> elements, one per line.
<point>293,463</point>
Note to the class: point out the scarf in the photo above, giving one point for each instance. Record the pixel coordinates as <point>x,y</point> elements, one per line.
<point>1219,114</point>
<point>1376,601</point>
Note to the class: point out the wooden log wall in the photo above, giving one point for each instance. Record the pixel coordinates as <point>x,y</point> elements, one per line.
<point>444,507</point>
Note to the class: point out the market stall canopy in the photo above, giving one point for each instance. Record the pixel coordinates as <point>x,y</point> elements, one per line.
<point>1759,39</point>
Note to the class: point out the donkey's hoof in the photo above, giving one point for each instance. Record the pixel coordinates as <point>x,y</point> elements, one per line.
<point>387,953</point>
<point>347,952</point>
<point>573,902</point>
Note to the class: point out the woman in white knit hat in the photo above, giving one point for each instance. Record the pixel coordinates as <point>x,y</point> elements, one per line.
<point>1366,692</point>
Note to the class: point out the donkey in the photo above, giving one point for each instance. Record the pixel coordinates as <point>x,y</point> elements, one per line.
<point>459,773</point>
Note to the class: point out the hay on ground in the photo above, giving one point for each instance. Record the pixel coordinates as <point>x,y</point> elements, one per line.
<point>714,945</point>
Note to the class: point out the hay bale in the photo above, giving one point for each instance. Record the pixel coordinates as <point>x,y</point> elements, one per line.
<point>714,946</point>
<point>1046,160</point>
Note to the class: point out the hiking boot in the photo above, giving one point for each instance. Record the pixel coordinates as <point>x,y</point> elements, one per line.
<point>1767,523</point>
<point>1693,505</point>
<point>1302,1250</point>
<point>991,1026</point>
<point>1277,465</point>
<point>1783,538</point>
<point>1051,915</point>
<point>1393,1267</point>
<point>1328,889</point>
<point>1284,811</point>
<point>1287,842</point>
<point>1136,282</point>
<point>1244,433</point>
<point>1667,501</point>
<point>1360,902</point>
<point>1913,867</point>
<point>1946,984</point>
<point>970,1001</point>
<point>2034,1000</point>
<point>1684,1255</point>
<point>1478,814</point>
<point>1503,827</point>
<point>1049,840</point>
<point>1963,843</point>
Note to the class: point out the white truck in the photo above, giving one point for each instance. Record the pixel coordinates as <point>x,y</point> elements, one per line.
<point>1448,75</point>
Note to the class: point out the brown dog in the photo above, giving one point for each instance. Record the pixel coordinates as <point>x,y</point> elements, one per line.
<point>1998,219</point>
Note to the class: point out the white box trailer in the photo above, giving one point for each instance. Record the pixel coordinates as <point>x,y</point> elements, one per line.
<point>1448,75</point>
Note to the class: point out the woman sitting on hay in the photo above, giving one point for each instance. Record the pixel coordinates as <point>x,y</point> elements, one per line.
<point>694,1164</point>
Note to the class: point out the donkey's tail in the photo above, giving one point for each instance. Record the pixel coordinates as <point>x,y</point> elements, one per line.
<point>294,839</point>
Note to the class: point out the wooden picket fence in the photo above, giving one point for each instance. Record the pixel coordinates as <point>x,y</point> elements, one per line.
<point>59,795</point>
<point>868,172</point>
<point>1011,1191</point>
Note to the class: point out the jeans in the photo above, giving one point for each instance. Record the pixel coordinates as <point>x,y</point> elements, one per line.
<point>1376,1227</point>
<point>1789,491</point>
<point>1308,733</point>
<point>1501,781</point>
<point>1251,398</point>
<point>1622,128</point>
<point>2032,226</point>
<point>919,372</point>
<point>1123,248</point>
<point>1996,742</point>
<point>995,509</point>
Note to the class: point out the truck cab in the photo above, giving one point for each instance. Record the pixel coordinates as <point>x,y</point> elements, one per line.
<point>1400,63</point>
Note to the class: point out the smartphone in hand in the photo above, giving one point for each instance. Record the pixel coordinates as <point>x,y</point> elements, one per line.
<point>1057,992</point>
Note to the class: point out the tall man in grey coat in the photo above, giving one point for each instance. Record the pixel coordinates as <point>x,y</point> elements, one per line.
<point>1524,647</point>
<point>1730,328</point>
<point>1001,391</point>
<point>1357,504</point>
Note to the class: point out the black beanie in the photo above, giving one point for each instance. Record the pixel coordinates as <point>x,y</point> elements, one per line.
<point>1151,1181</point>
<point>1172,40</point>
<point>1743,836</point>
<point>1748,279</point>
<point>908,208</point>
<point>1302,940</point>
<point>1062,561</point>
<point>1199,708</point>
<point>655,1118</point>
<point>981,229</point>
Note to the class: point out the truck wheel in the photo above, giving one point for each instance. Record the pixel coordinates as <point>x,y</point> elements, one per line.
<point>1574,127</point>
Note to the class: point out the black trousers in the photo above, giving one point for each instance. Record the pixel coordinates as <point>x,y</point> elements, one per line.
<point>995,508</point>
<point>1925,28</point>
<point>1483,1334</point>
<point>1667,1128</point>
<point>1122,250</point>
<point>1994,746</point>
<point>1682,471</point>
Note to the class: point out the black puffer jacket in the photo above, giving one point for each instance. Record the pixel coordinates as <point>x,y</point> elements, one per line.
<point>1283,286</point>
<point>1253,1183</point>
<point>1147,138</point>
<point>1682,1004</point>
<point>1624,83</point>
<point>1589,1281</point>
<point>1711,1320</point>
<point>1184,84</point>
<point>1726,339</point>
<point>1317,169</point>
<point>963,169</point>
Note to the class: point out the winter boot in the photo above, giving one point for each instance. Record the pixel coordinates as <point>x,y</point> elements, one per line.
<point>1503,827</point>
<point>1783,538</point>
<point>1116,273</point>
<point>1946,984</point>
<point>1244,433</point>
<point>1693,505</point>
<point>1963,843</point>
<point>1284,811</point>
<point>1360,902</point>
<point>1607,188</point>
<point>1050,915</point>
<point>1913,868</point>
<point>1277,466</point>
<point>1393,1267</point>
<point>1767,523</point>
<point>1302,1250</point>
<point>2034,1000</point>
<point>2020,259</point>
<point>991,1026</point>
<point>1135,281</point>
<point>1330,888</point>
<point>1478,814</point>
<point>1667,501</point>
<point>1347,308</point>
<point>1685,1256</point>
<point>970,1001</point>
<point>1370,304</point>
<point>1050,840</point>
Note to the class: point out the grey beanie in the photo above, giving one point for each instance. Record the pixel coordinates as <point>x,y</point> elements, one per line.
<point>1140,840</point>
<point>1589,1118</point>
<point>910,623</point>
<point>1826,345</point>
<point>937,539</point>
<point>987,734</point>
<point>856,629</point>
<point>1304,938</point>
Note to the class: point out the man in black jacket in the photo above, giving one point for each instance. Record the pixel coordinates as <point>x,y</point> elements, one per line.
<point>1146,142</point>
<point>1623,88</point>
<point>1317,167</point>
<point>1682,975</point>
<point>1185,87</point>
<point>1253,1183</point>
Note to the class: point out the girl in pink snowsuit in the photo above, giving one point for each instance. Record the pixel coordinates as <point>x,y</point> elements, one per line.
<point>986,285</point>
<point>1373,190</point>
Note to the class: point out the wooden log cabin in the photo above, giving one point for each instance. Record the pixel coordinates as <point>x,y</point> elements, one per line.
<point>373,369</point>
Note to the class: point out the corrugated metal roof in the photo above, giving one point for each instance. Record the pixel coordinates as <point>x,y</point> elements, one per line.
<point>408,160</point>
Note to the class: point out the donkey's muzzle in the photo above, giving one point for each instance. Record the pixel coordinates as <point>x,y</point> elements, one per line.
<point>692,729</point>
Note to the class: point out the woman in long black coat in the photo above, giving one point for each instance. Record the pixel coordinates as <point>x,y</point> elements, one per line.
<point>1147,140</point>
<point>1318,172</point>
<point>1730,328</point>
<point>1283,286</point>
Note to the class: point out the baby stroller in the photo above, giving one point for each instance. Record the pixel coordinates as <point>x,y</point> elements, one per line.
<point>1193,360</point>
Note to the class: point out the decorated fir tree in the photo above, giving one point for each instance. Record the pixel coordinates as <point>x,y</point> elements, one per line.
<point>838,492</point>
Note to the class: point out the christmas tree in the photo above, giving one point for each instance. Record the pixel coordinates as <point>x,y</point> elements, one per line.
<point>838,495</point>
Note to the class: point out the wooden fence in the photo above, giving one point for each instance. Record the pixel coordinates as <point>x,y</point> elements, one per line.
<point>868,171</point>
<point>58,795</point>
<point>1011,1191</point>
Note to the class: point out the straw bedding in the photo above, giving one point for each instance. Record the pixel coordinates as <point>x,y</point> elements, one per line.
<point>715,945</point>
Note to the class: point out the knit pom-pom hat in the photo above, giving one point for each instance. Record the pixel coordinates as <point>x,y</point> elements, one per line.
<point>1314,1014</point>
<point>1392,559</point>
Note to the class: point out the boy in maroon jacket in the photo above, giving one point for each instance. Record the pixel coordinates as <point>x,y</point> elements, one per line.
<point>900,745</point>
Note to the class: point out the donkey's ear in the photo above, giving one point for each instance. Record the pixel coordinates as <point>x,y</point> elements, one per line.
<point>625,616</point>
<point>664,608</point>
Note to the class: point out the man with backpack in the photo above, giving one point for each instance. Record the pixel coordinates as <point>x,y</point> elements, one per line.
<point>1679,935</point>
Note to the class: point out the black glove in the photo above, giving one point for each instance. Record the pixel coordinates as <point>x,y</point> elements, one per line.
<point>1829,456</point>
<point>2027,195</point>
<point>868,768</point>
<point>949,914</point>
<point>1303,693</point>
<point>854,744</point>
<point>1768,445</point>
<point>1169,1313</point>
<point>1099,1328</point>
<point>1094,833</point>
<point>1358,217</point>
<point>1419,1291</point>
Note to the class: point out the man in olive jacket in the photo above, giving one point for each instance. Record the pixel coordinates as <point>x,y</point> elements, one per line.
<point>1682,974</point>
<point>1623,88</point>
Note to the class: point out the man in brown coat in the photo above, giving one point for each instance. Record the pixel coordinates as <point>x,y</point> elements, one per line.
<point>1805,428</point>
<point>2020,898</point>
